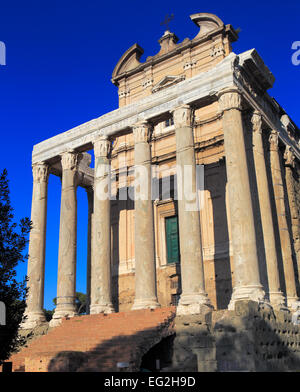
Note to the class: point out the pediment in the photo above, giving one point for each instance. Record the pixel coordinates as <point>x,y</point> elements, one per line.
<point>167,81</point>
<point>128,61</point>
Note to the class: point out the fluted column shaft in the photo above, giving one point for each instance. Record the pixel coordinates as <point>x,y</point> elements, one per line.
<point>285,240</point>
<point>247,285</point>
<point>275,295</point>
<point>37,247</point>
<point>145,268</point>
<point>66,277</point>
<point>193,298</point>
<point>289,158</point>
<point>101,290</point>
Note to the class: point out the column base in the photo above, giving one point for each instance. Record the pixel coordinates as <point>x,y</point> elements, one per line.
<point>59,315</point>
<point>33,320</point>
<point>291,301</point>
<point>193,304</point>
<point>277,300</point>
<point>149,303</point>
<point>98,308</point>
<point>246,293</point>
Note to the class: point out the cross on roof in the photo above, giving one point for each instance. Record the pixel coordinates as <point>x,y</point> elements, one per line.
<point>167,20</point>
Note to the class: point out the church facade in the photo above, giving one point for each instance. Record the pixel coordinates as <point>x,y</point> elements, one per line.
<point>193,198</point>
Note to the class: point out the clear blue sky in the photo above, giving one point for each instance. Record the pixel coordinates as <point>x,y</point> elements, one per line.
<point>60,57</point>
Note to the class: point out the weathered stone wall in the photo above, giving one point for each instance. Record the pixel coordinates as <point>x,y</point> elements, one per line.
<point>251,338</point>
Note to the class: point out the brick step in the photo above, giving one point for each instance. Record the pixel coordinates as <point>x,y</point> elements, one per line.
<point>106,339</point>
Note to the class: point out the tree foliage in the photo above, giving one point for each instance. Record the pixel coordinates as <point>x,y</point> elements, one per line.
<point>80,302</point>
<point>13,240</point>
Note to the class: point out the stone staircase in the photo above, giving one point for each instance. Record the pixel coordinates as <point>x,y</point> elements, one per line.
<point>96,342</point>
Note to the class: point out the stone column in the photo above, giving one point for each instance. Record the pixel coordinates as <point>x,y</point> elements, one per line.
<point>247,285</point>
<point>193,299</point>
<point>289,158</point>
<point>37,246</point>
<point>66,277</point>
<point>145,268</point>
<point>90,197</point>
<point>101,291</point>
<point>275,295</point>
<point>285,240</point>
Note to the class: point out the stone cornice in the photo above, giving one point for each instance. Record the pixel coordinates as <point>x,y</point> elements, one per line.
<point>201,86</point>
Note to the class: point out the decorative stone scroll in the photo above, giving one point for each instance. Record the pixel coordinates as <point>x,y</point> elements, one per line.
<point>256,121</point>
<point>230,99</point>
<point>40,172</point>
<point>70,160</point>
<point>142,132</point>
<point>273,140</point>
<point>182,116</point>
<point>102,147</point>
<point>289,157</point>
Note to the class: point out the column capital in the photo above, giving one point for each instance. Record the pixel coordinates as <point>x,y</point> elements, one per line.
<point>273,140</point>
<point>102,146</point>
<point>289,157</point>
<point>40,172</point>
<point>256,120</point>
<point>70,160</point>
<point>142,132</point>
<point>182,116</point>
<point>229,99</point>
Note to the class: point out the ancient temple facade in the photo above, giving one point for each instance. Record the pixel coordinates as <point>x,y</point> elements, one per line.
<point>194,195</point>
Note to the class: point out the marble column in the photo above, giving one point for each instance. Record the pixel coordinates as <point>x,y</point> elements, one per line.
<point>37,245</point>
<point>90,197</point>
<point>101,290</point>
<point>145,268</point>
<point>193,299</point>
<point>275,295</point>
<point>66,277</point>
<point>247,284</point>
<point>285,240</point>
<point>289,159</point>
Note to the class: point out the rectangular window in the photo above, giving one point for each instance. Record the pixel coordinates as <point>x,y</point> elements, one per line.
<point>172,239</point>
<point>169,122</point>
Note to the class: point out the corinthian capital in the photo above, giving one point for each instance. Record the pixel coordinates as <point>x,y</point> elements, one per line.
<point>102,147</point>
<point>40,172</point>
<point>141,132</point>
<point>256,121</point>
<point>182,116</point>
<point>289,157</point>
<point>273,140</point>
<point>230,99</point>
<point>70,160</point>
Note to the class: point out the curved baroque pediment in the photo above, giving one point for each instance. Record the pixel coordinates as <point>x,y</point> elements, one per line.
<point>129,60</point>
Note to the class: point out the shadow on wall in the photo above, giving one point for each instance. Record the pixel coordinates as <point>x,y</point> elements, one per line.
<point>128,349</point>
<point>251,338</point>
<point>215,184</point>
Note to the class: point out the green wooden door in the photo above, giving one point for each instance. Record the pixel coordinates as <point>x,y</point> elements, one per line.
<point>172,239</point>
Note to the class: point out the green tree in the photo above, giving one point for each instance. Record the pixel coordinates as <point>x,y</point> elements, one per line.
<point>13,240</point>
